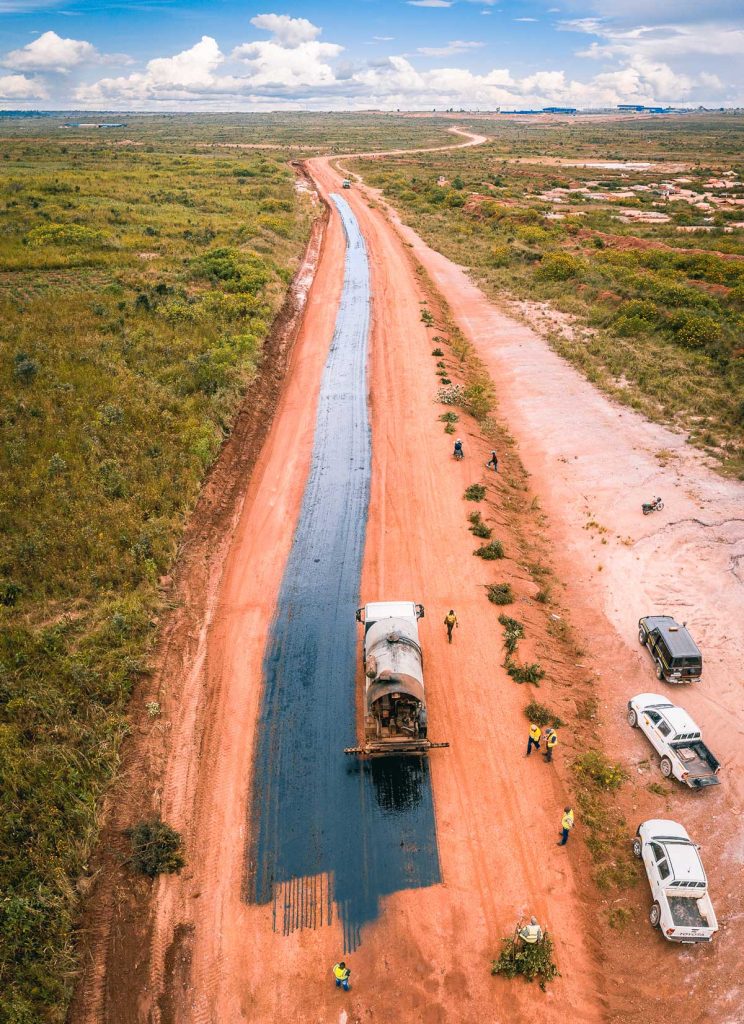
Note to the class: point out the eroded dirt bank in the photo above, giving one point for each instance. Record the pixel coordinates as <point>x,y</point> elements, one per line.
<point>592,463</point>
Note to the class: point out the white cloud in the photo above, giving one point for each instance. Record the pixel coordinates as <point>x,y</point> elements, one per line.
<point>524,19</point>
<point>383,39</point>
<point>429,3</point>
<point>287,31</point>
<point>454,46</point>
<point>19,87</point>
<point>51,52</point>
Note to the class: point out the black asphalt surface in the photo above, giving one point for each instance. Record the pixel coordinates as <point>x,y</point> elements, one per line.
<point>328,830</point>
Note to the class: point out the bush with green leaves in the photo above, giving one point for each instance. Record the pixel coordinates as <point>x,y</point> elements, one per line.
<point>513,632</point>
<point>542,715</point>
<point>491,551</point>
<point>477,527</point>
<point>528,960</point>
<point>593,766</point>
<point>156,848</point>
<point>475,492</point>
<point>559,266</point>
<point>528,673</point>
<point>500,593</point>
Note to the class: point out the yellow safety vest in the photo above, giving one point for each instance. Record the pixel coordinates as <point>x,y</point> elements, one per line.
<point>536,733</point>
<point>450,619</point>
<point>567,820</point>
<point>552,739</point>
<point>340,972</point>
<point>531,933</point>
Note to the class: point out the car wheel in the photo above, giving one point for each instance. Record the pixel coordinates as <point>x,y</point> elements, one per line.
<point>654,915</point>
<point>659,672</point>
<point>632,719</point>
<point>637,848</point>
<point>642,637</point>
<point>666,767</point>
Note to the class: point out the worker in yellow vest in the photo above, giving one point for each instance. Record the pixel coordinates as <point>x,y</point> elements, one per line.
<point>534,738</point>
<point>567,823</point>
<point>450,621</point>
<point>531,934</point>
<point>341,973</point>
<point>551,739</point>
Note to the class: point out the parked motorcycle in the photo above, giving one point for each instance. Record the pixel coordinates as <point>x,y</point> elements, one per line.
<point>652,506</point>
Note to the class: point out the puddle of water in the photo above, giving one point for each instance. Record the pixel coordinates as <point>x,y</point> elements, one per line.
<point>330,831</point>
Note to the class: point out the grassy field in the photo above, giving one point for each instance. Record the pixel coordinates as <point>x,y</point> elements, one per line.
<point>138,287</point>
<point>635,273</point>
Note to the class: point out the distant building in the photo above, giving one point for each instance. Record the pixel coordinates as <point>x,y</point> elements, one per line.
<point>636,108</point>
<point>92,124</point>
<point>559,110</point>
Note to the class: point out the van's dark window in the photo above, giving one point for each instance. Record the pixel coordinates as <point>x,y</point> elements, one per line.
<point>692,662</point>
<point>663,650</point>
<point>664,729</point>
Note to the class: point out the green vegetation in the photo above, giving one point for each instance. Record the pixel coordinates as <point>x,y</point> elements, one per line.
<point>513,632</point>
<point>138,286</point>
<point>500,593</point>
<point>529,673</point>
<point>597,778</point>
<point>529,961</point>
<point>491,551</point>
<point>542,715</point>
<point>478,527</point>
<point>476,492</point>
<point>647,309</point>
<point>156,848</point>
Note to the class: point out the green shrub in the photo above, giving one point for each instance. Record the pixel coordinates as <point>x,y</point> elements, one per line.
<point>476,492</point>
<point>72,235</point>
<point>500,593</point>
<point>529,673</point>
<point>500,256</point>
<point>156,848</point>
<point>437,352</point>
<point>695,330</point>
<point>528,961</point>
<point>513,632</point>
<point>559,266</point>
<point>542,715</point>
<point>593,767</point>
<point>24,368</point>
<point>449,417</point>
<point>491,551</point>
<point>478,527</point>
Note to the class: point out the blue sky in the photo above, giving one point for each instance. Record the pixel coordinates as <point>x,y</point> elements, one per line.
<point>331,54</point>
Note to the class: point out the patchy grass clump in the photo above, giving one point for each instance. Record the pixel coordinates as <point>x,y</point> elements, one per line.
<point>513,632</point>
<point>542,715</point>
<point>156,848</point>
<point>500,593</point>
<point>477,527</point>
<point>476,492</point>
<point>491,551</point>
<point>529,673</point>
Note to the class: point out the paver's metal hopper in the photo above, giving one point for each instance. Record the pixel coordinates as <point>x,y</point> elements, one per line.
<point>395,715</point>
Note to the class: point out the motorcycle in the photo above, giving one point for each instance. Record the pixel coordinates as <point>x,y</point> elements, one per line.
<point>652,506</point>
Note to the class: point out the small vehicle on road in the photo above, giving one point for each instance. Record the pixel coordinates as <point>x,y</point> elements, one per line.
<point>676,739</point>
<point>346,183</point>
<point>395,714</point>
<point>682,907</point>
<point>652,506</point>
<point>677,656</point>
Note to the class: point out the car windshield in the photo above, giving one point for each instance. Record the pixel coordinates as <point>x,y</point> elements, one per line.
<point>687,662</point>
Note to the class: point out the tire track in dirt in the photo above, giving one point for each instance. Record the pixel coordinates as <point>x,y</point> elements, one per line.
<point>318,815</point>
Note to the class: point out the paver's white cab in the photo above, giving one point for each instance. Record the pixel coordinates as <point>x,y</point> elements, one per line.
<point>676,738</point>
<point>682,908</point>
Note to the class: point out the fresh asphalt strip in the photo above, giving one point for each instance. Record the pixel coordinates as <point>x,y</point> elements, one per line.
<point>328,829</point>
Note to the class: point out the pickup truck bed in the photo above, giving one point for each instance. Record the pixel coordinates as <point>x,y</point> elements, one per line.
<point>686,913</point>
<point>699,763</point>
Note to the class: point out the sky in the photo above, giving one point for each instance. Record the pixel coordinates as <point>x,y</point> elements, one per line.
<point>206,55</point>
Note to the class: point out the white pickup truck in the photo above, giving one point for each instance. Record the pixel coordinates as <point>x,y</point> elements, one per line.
<point>682,906</point>
<point>676,739</point>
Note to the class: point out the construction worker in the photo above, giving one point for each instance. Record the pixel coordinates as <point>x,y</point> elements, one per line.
<point>531,934</point>
<point>493,462</point>
<point>458,452</point>
<point>450,621</point>
<point>551,738</point>
<point>567,823</point>
<point>534,738</point>
<point>341,973</point>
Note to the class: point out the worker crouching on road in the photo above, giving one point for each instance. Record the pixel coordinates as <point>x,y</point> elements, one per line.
<point>450,621</point>
<point>567,823</point>
<point>534,738</point>
<point>531,934</point>
<point>341,974</point>
<point>551,739</point>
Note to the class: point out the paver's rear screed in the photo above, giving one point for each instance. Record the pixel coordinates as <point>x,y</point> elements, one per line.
<point>325,828</point>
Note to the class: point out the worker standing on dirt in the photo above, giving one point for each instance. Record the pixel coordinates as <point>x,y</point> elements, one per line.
<point>458,452</point>
<point>450,621</point>
<point>493,462</point>
<point>531,934</point>
<point>341,974</point>
<point>534,738</point>
<point>551,739</point>
<point>567,823</point>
